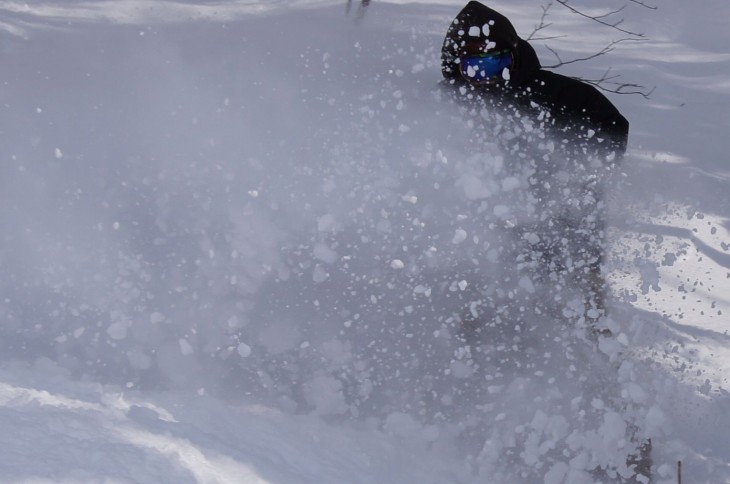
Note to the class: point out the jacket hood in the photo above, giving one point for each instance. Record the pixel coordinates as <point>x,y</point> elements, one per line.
<point>478,24</point>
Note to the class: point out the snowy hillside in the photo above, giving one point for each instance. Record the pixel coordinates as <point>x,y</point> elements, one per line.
<point>238,239</point>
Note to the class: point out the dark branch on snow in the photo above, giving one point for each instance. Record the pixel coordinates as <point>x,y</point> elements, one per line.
<point>605,50</point>
<point>543,25</point>
<point>606,82</point>
<point>601,19</point>
<point>643,4</point>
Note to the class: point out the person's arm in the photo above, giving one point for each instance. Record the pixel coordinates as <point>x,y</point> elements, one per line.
<point>581,104</point>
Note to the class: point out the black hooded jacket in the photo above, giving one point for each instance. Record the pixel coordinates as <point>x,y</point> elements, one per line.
<point>570,102</point>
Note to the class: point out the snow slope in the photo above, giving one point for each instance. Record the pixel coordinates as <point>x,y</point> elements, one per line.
<point>237,237</point>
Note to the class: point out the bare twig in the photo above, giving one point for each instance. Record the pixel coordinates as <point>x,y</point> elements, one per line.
<point>621,88</point>
<point>542,25</point>
<point>561,62</point>
<point>605,50</point>
<point>606,83</point>
<point>602,18</point>
<point>638,2</point>
<point>608,14</point>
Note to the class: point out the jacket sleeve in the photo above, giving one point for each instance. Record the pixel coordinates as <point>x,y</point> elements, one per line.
<point>579,105</point>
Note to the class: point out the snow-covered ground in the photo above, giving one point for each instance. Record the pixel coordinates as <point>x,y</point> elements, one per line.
<point>236,237</point>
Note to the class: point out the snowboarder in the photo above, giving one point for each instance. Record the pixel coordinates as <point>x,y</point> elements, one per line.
<point>483,51</point>
<point>485,61</point>
<point>488,64</point>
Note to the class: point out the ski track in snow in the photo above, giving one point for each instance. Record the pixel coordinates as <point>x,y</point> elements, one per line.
<point>236,238</point>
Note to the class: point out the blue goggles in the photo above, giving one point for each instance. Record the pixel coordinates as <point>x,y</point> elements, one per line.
<point>481,67</point>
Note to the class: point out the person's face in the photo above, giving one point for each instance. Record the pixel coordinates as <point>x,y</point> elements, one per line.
<point>484,62</point>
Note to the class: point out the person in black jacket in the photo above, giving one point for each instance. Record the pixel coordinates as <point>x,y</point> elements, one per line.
<point>483,51</point>
<point>564,135</point>
<point>578,133</point>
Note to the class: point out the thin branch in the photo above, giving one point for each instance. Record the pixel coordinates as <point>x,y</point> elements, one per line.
<point>638,2</point>
<point>606,80</point>
<point>608,14</point>
<point>561,62</point>
<point>620,87</point>
<point>543,23</point>
<point>600,18</point>
<point>552,37</point>
<point>605,50</point>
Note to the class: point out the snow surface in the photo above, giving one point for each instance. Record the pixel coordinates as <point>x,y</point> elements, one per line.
<point>237,238</point>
